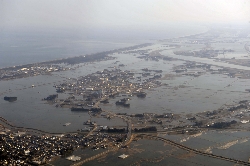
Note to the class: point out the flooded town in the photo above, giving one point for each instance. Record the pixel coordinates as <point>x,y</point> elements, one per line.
<point>107,107</point>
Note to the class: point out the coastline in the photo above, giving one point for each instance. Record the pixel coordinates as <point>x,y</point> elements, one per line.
<point>68,59</point>
<point>187,36</point>
<point>110,50</point>
<point>125,78</point>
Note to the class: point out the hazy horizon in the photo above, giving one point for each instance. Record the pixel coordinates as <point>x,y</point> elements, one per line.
<point>122,19</point>
<point>33,31</point>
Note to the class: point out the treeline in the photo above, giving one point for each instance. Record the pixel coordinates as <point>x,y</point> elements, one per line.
<point>115,130</point>
<point>153,128</point>
<point>217,125</point>
<point>237,107</point>
<point>221,125</point>
<point>81,59</point>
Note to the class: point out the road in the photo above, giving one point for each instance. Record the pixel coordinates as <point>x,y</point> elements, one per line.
<point>194,150</point>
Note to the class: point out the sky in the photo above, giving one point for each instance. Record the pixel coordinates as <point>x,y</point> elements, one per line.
<point>119,14</point>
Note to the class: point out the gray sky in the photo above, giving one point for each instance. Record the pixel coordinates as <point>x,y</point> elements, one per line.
<point>135,14</point>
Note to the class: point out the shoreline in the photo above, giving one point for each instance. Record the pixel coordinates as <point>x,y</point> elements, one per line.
<point>42,68</point>
<point>120,82</point>
<point>186,36</point>
<point>64,60</point>
<point>111,51</point>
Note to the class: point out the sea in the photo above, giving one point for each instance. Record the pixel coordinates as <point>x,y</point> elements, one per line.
<point>25,47</point>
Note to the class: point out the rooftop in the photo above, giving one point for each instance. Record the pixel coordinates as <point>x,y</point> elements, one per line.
<point>123,156</point>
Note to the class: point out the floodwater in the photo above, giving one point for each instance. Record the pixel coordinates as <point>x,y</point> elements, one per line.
<point>232,144</point>
<point>180,94</point>
<point>203,93</point>
<point>153,152</point>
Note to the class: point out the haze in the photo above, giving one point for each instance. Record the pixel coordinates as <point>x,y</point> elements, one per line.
<point>122,15</point>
